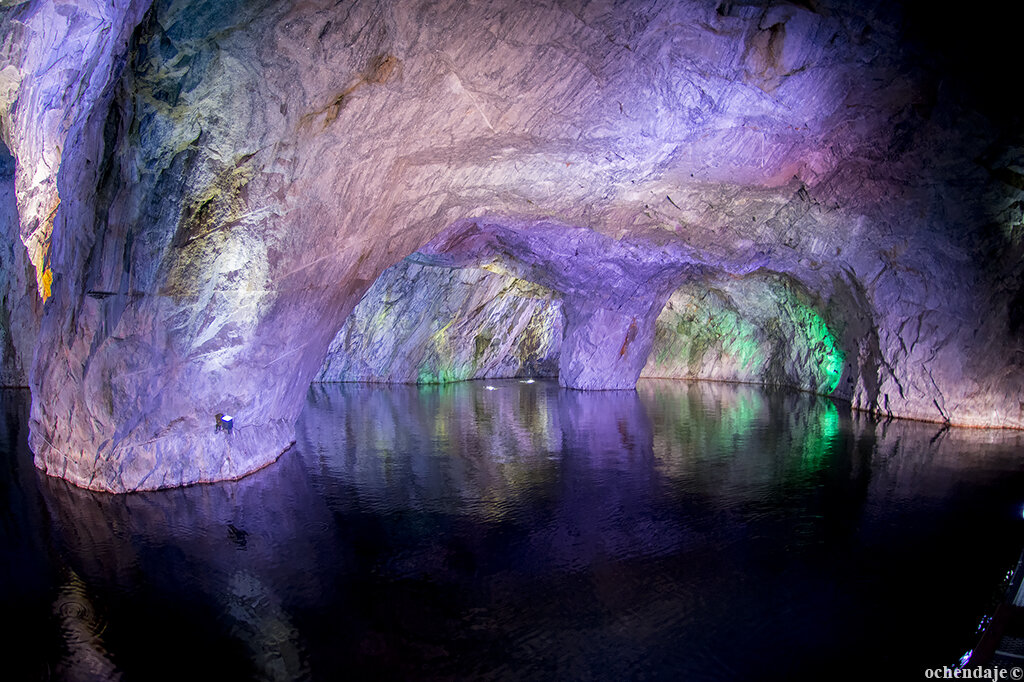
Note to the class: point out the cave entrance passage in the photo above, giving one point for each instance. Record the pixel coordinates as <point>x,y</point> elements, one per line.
<point>482,306</point>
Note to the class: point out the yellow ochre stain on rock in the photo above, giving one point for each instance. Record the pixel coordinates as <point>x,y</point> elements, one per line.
<point>379,70</point>
<point>45,284</point>
<point>40,254</point>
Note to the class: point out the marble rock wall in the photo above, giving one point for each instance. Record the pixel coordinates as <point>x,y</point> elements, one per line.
<point>762,329</point>
<point>20,307</point>
<point>433,324</point>
<point>205,190</point>
<point>425,324</point>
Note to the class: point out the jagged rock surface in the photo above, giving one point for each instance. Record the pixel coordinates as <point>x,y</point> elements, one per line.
<point>611,290</point>
<point>757,329</point>
<point>225,180</point>
<point>424,324</point>
<point>20,308</point>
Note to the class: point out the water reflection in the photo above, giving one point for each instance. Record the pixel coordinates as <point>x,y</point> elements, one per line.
<point>762,438</point>
<point>202,569</point>
<point>81,626</point>
<point>452,531</point>
<point>436,447</point>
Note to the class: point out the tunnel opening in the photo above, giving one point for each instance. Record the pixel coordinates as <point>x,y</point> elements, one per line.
<point>430,324</point>
<point>483,301</point>
<point>763,328</point>
<point>236,236</point>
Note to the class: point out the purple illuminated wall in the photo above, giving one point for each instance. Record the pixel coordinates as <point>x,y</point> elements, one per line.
<point>205,191</point>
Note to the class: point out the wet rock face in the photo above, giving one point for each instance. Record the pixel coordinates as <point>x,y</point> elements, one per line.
<point>20,307</point>
<point>604,349</point>
<point>611,290</point>
<point>762,329</point>
<point>425,324</point>
<point>436,324</point>
<point>205,191</point>
<point>58,58</point>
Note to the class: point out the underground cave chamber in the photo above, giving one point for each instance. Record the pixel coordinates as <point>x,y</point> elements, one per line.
<point>563,340</point>
<point>201,219</point>
<point>489,299</point>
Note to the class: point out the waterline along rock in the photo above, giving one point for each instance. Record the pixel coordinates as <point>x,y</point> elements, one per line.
<point>195,196</point>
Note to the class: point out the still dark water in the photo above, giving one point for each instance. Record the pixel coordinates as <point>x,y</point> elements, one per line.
<point>685,531</point>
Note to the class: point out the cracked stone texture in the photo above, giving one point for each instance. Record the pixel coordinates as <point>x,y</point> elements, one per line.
<point>611,290</point>
<point>425,324</point>
<point>20,307</point>
<point>761,329</point>
<point>205,191</point>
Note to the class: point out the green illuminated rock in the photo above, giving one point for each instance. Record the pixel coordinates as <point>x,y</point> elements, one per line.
<point>761,329</point>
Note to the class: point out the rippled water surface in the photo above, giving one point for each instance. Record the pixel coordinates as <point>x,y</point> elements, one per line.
<point>520,531</point>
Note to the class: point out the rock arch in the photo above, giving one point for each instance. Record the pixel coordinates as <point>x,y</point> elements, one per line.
<point>232,181</point>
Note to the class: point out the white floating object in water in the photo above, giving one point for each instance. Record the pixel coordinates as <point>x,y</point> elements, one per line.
<point>490,388</point>
<point>527,381</point>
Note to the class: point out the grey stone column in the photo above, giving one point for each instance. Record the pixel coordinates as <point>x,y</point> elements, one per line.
<point>605,348</point>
